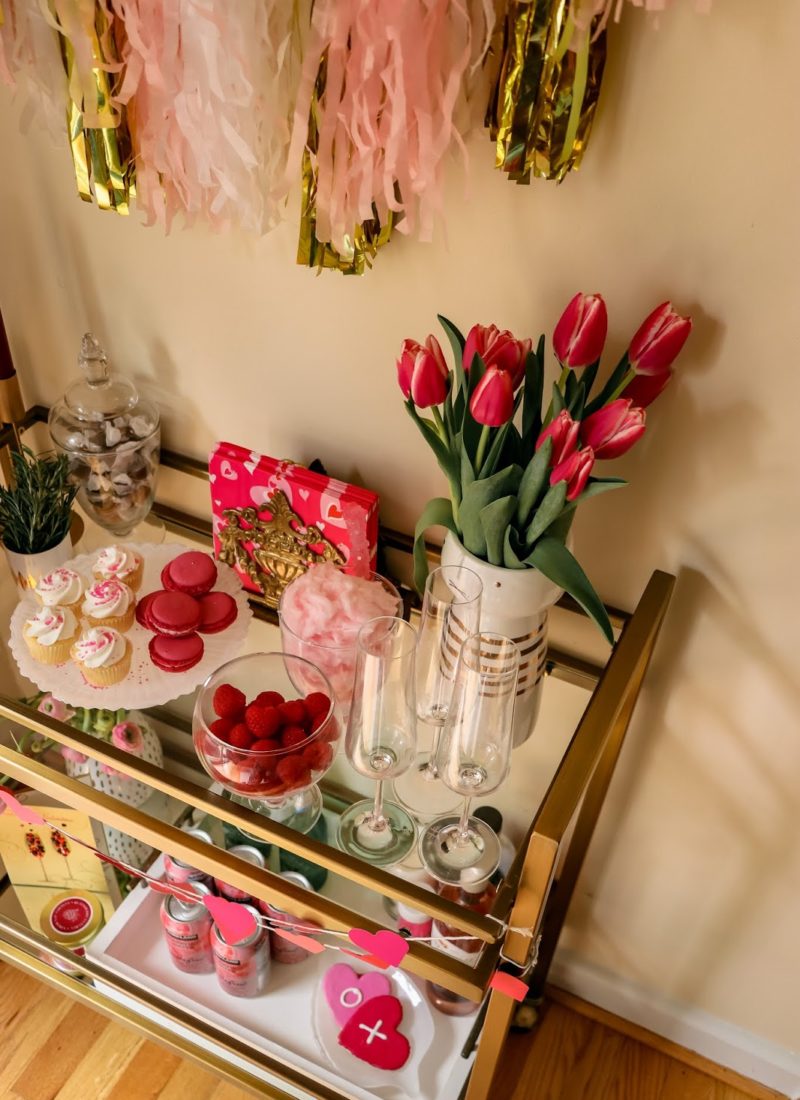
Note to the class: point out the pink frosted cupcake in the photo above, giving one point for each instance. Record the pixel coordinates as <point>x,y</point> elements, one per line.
<point>119,563</point>
<point>111,604</point>
<point>50,634</point>
<point>61,588</point>
<point>103,656</point>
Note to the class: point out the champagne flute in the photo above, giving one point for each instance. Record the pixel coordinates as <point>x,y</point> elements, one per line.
<point>451,612</point>
<point>474,756</point>
<point>381,739</point>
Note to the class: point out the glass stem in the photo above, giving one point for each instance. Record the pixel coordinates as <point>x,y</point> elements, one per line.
<point>377,810</point>
<point>431,767</point>
<point>463,825</point>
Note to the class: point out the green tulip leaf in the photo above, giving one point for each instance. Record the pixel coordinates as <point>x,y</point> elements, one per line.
<point>594,487</point>
<point>436,513</point>
<point>532,405</point>
<point>476,497</point>
<point>440,449</point>
<point>548,511</point>
<point>495,519</point>
<point>559,528</point>
<point>467,471</point>
<point>457,343</point>
<point>553,559</point>
<point>471,429</point>
<point>557,405</point>
<point>513,550</point>
<point>615,378</point>
<point>495,451</point>
<point>533,481</point>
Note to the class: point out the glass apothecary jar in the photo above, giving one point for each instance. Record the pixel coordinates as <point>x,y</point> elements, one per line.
<point>112,437</point>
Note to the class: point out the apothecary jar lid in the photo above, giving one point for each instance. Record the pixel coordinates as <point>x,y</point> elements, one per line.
<point>102,410</point>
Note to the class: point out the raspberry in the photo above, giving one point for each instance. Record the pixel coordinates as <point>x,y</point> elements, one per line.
<point>240,736</point>
<point>328,728</point>
<point>222,727</point>
<point>318,755</point>
<point>228,701</point>
<point>269,699</point>
<point>293,772</point>
<point>317,703</point>
<point>265,744</point>
<point>262,721</point>
<point>293,713</point>
<point>293,735</point>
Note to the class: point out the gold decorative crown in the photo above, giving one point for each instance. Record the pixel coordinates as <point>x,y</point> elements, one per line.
<point>283,547</point>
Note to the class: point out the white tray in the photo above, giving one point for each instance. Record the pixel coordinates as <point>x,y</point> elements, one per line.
<point>145,685</point>
<point>279,1022</point>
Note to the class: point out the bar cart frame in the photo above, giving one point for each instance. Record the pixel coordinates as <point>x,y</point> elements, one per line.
<point>531,904</point>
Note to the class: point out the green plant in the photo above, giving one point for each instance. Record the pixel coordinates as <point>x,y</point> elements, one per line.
<point>35,513</point>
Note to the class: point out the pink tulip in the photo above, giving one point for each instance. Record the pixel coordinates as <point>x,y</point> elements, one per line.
<point>658,340</point>
<point>492,403</point>
<point>645,388</point>
<point>497,349</point>
<point>422,372</point>
<point>614,429</point>
<point>580,334</point>
<point>575,471</point>
<point>128,736</point>
<point>564,432</point>
<point>73,755</point>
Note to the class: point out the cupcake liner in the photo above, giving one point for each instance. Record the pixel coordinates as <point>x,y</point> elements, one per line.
<point>114,622</point>
<point>108,675</point>
<point>55,654</point>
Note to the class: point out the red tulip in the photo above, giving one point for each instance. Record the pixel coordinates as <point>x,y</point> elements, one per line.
<point>497,349</point>
<point>422,372</point>
<point>564,432</point>
<point>645,388</point>
<point>614,429</point>
<point>580,334</point>
<point>658,340</point>
<point>575,471</point>
<point>492,403</point>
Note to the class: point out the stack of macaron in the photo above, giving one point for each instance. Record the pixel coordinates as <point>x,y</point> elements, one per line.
<point>184,608</point>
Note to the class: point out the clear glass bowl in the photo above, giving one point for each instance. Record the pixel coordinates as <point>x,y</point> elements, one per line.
<point>280,783</point>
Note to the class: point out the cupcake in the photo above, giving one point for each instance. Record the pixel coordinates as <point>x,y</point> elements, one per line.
<point>61,588</point>
<point>50,634</point>
<point>119,563</point>
<point>103,656</point>
<point>109,603</point>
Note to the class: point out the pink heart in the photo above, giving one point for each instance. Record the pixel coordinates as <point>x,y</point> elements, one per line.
<point>371,1034</point>
<point>228,471</point>
<point>385,945</point>
<point>24,813</point>
<point>345,990</point>
<point>313,947</point>
<point>234,921</point>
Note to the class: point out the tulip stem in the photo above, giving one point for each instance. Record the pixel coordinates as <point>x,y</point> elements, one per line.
<point>484,439</point>
<point>440,428</point>
<point>629,376</point>
<point>562,378</point>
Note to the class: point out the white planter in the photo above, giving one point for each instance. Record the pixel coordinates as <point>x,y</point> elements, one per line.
<point>515,603</point>
<point>28,569</point>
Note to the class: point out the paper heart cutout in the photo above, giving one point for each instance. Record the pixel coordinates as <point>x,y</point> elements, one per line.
<point>234,921</point>
<point>371,960</point>
<point>25,814</point>
<point>313,947</point>
<point>371,1034</point>
<point>389,947</point>
<point>228,471</point>
<point>346,990</point>
<point>508,984</point>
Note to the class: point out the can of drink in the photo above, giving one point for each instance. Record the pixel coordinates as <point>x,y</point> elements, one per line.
<point>252,855</point>
<point>242,967</point>
<point>178,873</point>
<point>235,836</point>
<point>187,931</point>
<point>282,950</point>
<point>71,919</point>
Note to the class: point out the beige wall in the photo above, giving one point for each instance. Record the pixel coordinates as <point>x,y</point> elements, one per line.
<point>689,190</point>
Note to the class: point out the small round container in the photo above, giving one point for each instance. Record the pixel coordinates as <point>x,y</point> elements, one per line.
<point>112,438</point>
<point>282,950</point>
<point>187,932</point>
<point>242,967</point>
<point>71,919</point>
<point>251,855</point>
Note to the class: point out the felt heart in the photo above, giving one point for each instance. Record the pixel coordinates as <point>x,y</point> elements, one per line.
<point>228,471</point>
<point>371,1034</point>
<point>24,813</point>
<point>388,946</point>
<point>313,947</point>
<point>234,921</point>
<point>345,990</point>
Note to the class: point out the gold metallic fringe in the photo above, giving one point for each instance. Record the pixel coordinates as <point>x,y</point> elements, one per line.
<point>543,104</point>
<point>367,237</point>
<point>101,156</point>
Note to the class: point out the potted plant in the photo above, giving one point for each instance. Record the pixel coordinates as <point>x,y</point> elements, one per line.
<point>35,515</point>
<point>520,458</point>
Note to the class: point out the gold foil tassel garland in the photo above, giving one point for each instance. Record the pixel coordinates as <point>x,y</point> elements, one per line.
<point>543,104</point>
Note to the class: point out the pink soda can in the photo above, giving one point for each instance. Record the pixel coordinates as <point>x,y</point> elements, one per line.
<point>242,967</point>
<point>251,855</point>
<point>283,951</point>
<point>178,873</point>
<point>187,931</point>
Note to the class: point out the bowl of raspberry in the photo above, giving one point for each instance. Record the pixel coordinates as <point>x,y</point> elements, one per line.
<point>264,739</point>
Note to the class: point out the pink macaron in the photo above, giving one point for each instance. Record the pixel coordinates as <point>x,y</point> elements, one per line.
<point>176,654</point>
<point>173,614</point>
<point>193,573</point>
<point>217,611</point>
<point>141,609</point>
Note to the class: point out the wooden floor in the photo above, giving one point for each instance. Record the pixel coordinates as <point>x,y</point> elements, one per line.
<point>52,1048</point>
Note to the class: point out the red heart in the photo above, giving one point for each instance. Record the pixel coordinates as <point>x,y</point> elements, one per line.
<point>371,1034</point>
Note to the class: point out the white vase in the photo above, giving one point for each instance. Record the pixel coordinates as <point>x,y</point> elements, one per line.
<point>515,603</point>
<point>28,569</point>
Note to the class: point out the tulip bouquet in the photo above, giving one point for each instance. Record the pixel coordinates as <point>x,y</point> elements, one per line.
<point>518,469</point>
